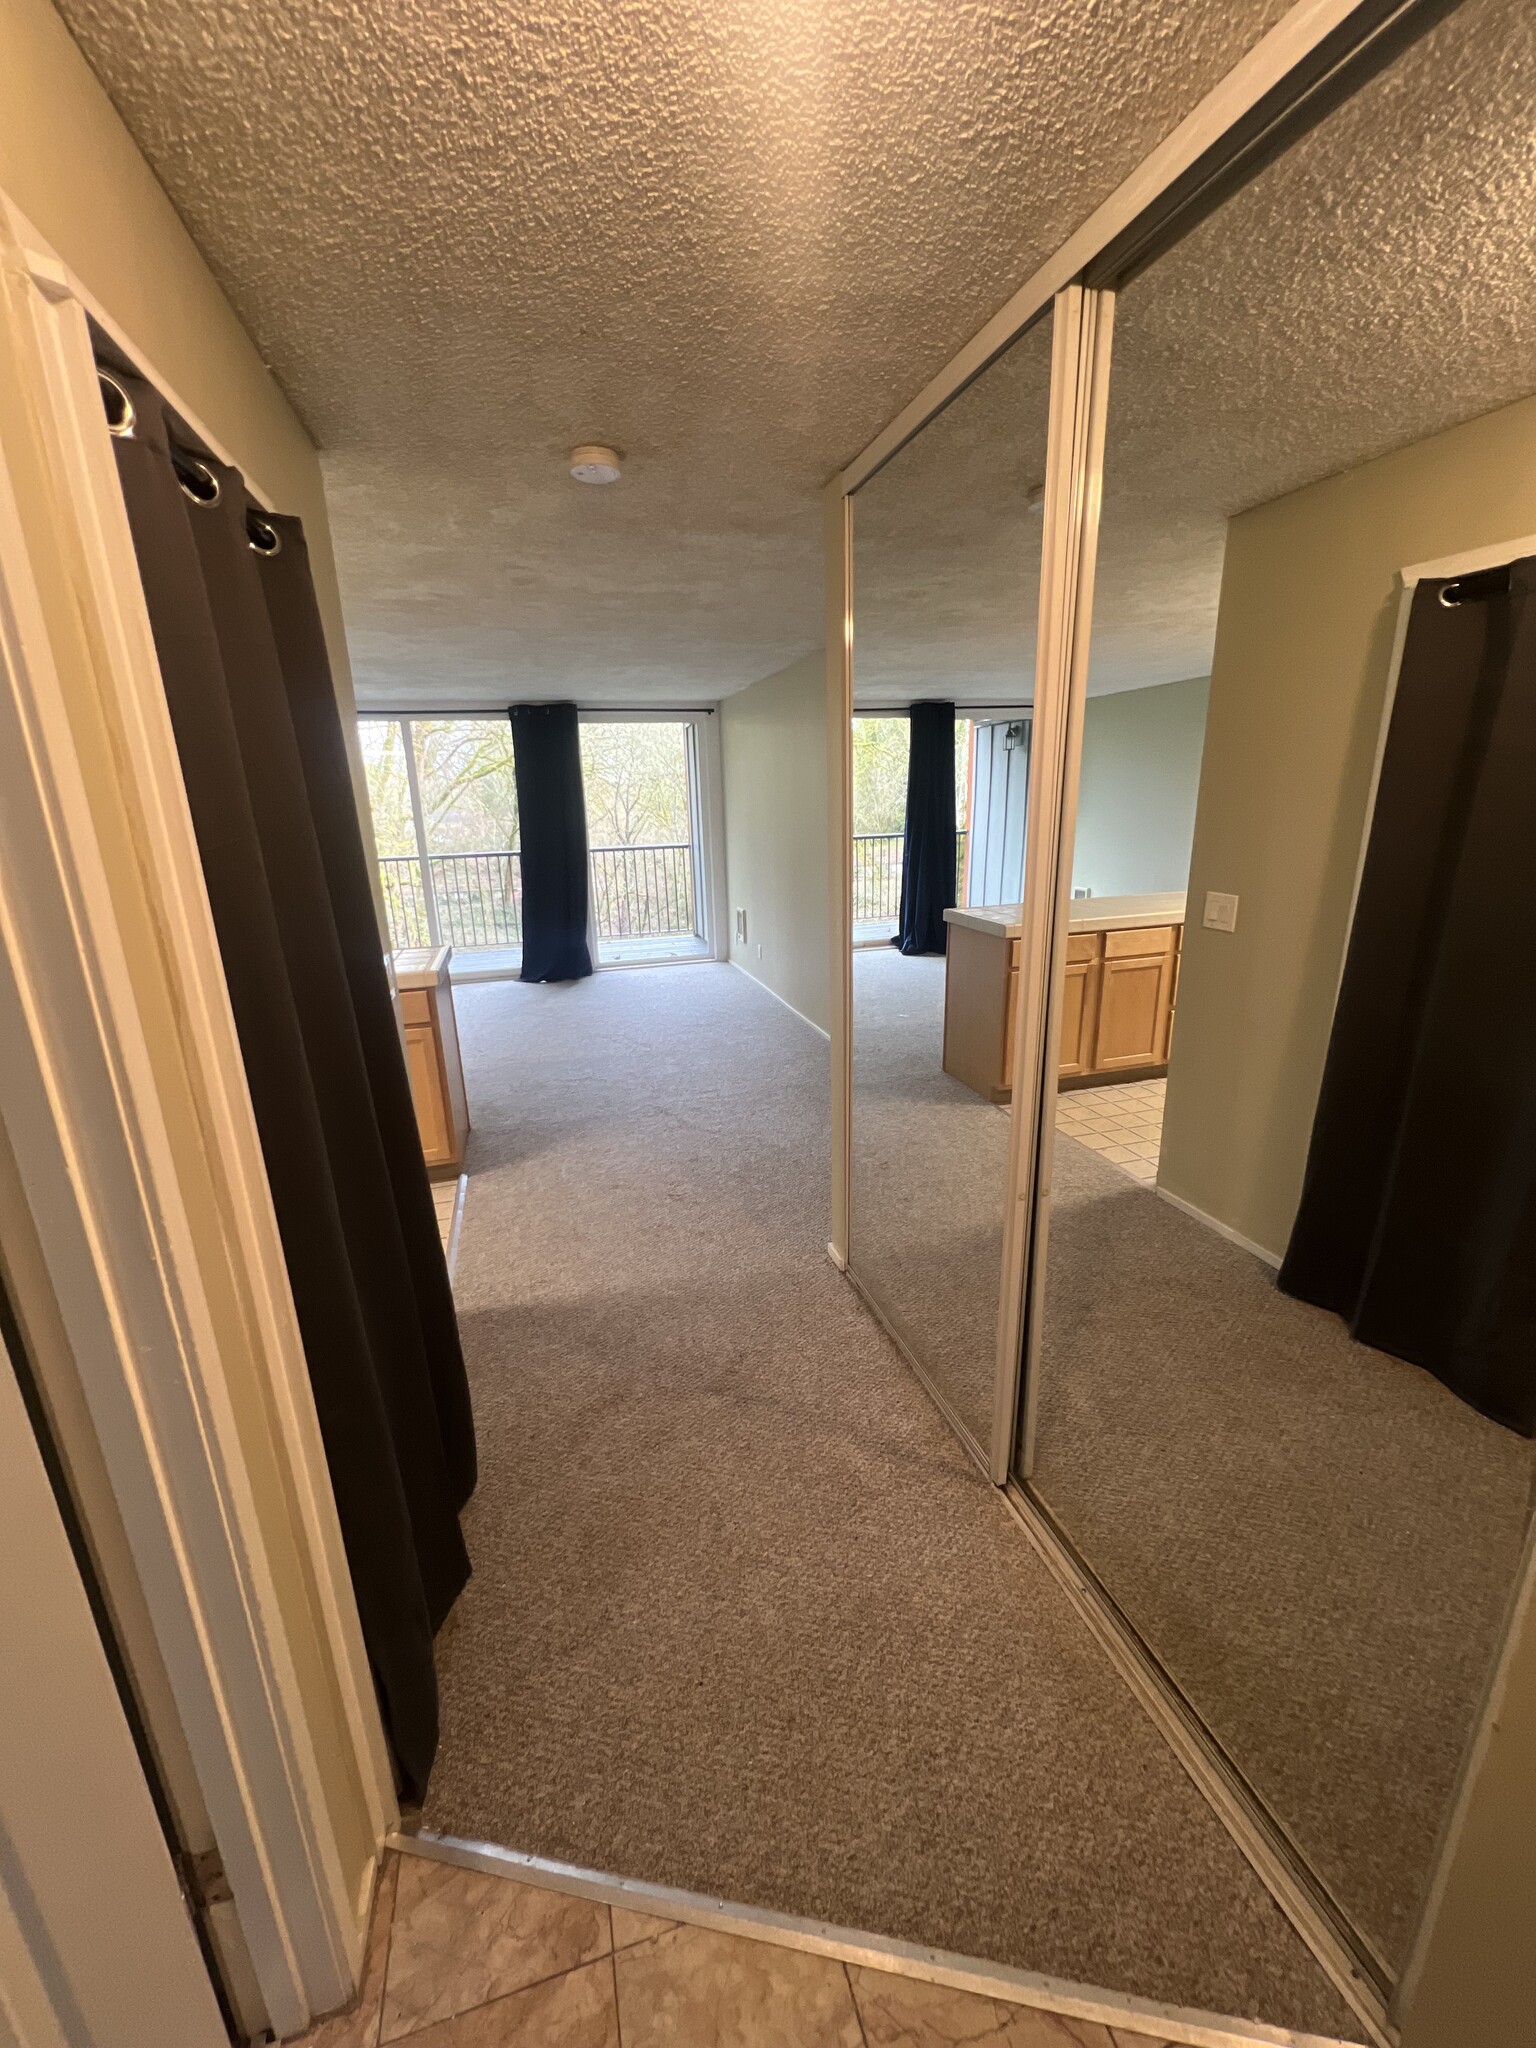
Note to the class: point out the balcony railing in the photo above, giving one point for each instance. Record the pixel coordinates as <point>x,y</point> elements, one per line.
<point>638,892</point>
<point>877,875</point>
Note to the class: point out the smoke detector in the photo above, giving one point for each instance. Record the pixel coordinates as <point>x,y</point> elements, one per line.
<point>591,464</point>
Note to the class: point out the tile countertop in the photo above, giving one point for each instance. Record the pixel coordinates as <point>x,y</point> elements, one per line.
<point>422,966</point>
<point>1089,914</point>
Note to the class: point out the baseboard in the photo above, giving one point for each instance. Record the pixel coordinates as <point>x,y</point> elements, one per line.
<point>1225,1230</point>
<point>758,983</point>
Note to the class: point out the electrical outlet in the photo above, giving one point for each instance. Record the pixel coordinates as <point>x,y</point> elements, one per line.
<point>741,927</point>
<point>1220,912</point>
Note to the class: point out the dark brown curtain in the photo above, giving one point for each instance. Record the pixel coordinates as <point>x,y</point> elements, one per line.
<point>262,754</point>
<point>1418,1212</point>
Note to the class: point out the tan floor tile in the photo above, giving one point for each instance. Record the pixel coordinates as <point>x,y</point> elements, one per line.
<point>899,2012</point>
<point>575,2010</point>
<point>1118,1153</point>
<point>692,1988</point>
<point>359,2028</point>
<point>628,1927</point>
<point>462,1938</point>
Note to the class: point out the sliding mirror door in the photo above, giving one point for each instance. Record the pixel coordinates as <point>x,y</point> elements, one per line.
<point>1305,1486</point>
<point>946,573</point>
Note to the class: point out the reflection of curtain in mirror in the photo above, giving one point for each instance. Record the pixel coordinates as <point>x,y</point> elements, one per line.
<point>928,837</point>
<point>1418,1212</point>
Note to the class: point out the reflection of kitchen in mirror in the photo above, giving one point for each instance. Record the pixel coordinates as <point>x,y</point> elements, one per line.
<point>1283,1365</point>
<point>947,540</point>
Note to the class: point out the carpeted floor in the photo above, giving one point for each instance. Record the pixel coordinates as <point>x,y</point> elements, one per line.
<point>929,1171</point>
<point>744,1619</point>
<point>1318,1540</point>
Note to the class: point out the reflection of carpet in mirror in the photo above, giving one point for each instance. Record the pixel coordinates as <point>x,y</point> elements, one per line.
<point>1317,1540</point>
<point>929,1172</point>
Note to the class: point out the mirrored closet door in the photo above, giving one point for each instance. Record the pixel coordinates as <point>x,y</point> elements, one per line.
<point>946,577</point>
<point>1281,1354</point>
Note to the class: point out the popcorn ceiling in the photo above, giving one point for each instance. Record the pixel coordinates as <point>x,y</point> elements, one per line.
<point>732,238</point>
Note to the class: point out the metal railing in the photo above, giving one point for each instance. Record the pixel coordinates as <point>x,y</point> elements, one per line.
<point>638,892</point>
<point>877,875</point>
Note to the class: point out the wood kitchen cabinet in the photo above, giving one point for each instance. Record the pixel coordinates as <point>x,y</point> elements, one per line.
<point>1135,1006</point>
<point>432,1060</point>
<point>1121,977</point>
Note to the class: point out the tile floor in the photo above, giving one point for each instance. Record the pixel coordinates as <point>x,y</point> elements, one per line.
<point>461,1959</point>
<point>445,1200</point>
<point>1123,1123</point>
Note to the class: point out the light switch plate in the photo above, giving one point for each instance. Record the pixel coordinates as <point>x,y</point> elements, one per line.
<point>741,926</point>
<point>1220,912</point>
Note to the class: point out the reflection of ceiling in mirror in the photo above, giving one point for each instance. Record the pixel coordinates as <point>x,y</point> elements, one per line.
<point>1372,287</point>
<point>946,553</point>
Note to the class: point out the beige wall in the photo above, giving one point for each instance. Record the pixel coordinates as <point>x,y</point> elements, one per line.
<point>74,170</point>
<point>1136,803</point>
<point>69,164</point>
<point>773,740</point>
<point>1303,642</point>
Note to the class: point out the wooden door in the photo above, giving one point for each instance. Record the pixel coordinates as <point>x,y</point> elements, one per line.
<point>427,1091</point>
<point>1079,1004</point>
<point>1135,998</point>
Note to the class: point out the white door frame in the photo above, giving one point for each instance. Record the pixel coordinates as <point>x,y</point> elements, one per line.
<point>125,1106</point>
<point>96,1941</point>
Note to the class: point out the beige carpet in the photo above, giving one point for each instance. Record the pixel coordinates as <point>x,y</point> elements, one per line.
<point>929,1171</point>
<point>1318,1540</point>
<point>744,1619</point>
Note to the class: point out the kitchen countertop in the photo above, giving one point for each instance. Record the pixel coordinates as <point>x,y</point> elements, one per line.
<point>422,966</point>
<point>1088,914</point>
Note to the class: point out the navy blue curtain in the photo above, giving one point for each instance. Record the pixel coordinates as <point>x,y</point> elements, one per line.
<point>928,838</point>
<point>259,738</point>
<point>552,821</point>
<point>1417,1220</point>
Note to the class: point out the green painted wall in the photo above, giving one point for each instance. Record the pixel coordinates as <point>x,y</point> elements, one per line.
<point>1141,775</point>
<point>1309,600</point>
<point>773,741</point>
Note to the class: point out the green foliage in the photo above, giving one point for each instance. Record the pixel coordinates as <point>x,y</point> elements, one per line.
<point>468,790</point>
<point>389,797</point>
<point>635,773</point>
<point>880,773</point>
<point>636,776</point>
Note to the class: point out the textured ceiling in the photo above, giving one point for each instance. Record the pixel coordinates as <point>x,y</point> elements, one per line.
<point>1375,285</point>
<point>732,237</point>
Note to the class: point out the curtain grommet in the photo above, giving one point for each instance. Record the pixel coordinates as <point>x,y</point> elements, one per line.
<point>197,481</point>
<point>261,538</point>
<point>121,417</point>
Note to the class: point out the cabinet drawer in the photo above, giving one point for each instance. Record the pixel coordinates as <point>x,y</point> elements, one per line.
<point>1152,942</point>
<point>1082,946</point>
<point>415,1006</point>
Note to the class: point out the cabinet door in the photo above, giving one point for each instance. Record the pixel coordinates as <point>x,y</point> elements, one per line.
<point>1079,1004</point>
<point>1135,1001</point>
<point>427,1092</point>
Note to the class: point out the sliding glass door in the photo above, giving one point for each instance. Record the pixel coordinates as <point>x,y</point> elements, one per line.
<point>443,794</point>
<point>1299,1496</point>
<point>946,573</point>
